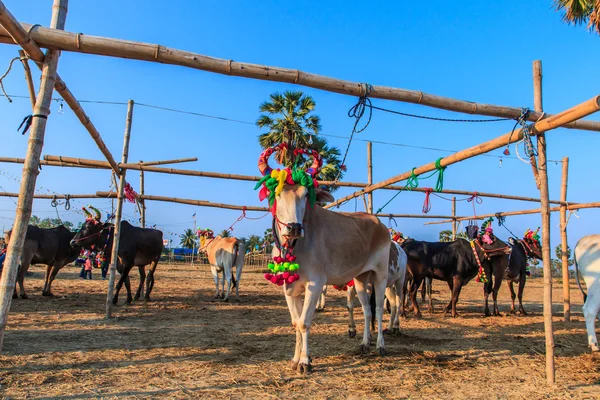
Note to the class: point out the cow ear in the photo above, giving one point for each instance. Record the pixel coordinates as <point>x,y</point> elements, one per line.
<point>324,197</point>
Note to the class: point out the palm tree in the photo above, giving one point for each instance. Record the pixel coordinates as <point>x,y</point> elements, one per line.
<point>289,120</point>
<point>253,241</point>
<point>578,12</point>
<point>189,239</point>
<point>225,233</point>
<point>446,236</point>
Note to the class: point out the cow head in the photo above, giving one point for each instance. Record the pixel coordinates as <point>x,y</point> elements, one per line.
<point>89,234</point>
<point>531,241</point>
<point>290,191</point>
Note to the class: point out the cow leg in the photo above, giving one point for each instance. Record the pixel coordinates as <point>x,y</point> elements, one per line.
<point>413,296</point>
<point>424,290</point>
<point>150,280</point>
<point>521,289</point>
<point>379,290</point>
<point>363,297</point>
<point>321,303</point>
<point>222,284</point>
<point>128,289</point>
<point>46,279</point>
<point>350,293</point>
<point>394,300</point>
<point>51,278</point>
<point>21,277</point>
<point>216,278</point>
<point>498,276</point>
<point>591,308</point>
<point>455,293</point>
<point>140,290</point>
<point>238,276</point>
<point>513,296</point>
<point>311,297</point>
<point>227,277</point>
<point>124,277</point>
<point>449,306</point>
<point>295,307</point>
<point>429,283</point>
<point>487,289</point>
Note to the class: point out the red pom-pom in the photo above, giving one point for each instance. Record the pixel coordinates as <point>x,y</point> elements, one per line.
<point>290,280</point>
<point>280,282</point>
<point>288,257</point>
<point>351,283</point>
<point>268,276</point>
<point>285,275</point>
<point>274,279</point>
<point>292,258</point>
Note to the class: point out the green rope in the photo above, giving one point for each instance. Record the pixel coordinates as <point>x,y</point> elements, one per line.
<point>413,182</point>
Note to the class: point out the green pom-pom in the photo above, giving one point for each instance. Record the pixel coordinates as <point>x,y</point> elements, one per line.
<point>286,266</point>
<point>293,267</point>
<point>271,266</point>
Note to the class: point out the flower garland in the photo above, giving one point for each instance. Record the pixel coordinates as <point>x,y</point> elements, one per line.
<point>284,267</point>
<point>481,277</point>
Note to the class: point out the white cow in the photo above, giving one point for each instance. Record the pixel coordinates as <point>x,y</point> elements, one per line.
<point>587,261</point>
<point>224,254</point>
<point>394,291</point>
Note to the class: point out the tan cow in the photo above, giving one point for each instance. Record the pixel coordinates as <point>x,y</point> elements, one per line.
<point>329,247</point>
<point>224,254</point>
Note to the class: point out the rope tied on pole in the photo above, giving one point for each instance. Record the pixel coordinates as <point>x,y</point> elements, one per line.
<point>501,222</point>
<point>439,186</point>
<point>427,202</point>
<point>475,199</point>
<point>6,74</point>
<point>357,112</point>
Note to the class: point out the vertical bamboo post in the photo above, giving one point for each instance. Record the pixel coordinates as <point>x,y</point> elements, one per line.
<point>454,222</point>
<point>563,237</point>
<point>545,207</point>
<point>28,77</point>
<point>119,213</point>
<point>370,175</point>
<point>141,201</point>
<point>30,170</point>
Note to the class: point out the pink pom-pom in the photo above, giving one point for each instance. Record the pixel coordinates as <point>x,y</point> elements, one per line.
<point>285,275</point>
<point>290,280</point>
<point>274,279</point>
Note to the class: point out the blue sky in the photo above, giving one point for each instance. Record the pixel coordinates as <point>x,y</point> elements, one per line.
<point>481,51</point>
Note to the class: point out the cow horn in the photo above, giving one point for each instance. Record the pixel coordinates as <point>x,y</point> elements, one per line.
<point>263,161</point>
<point>97,212</point>
<point>88,215</point>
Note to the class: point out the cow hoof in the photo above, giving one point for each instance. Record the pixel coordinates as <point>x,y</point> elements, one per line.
<point>455,315</point>
<point>294,365</point>
<point>136,298</point>
<point>305,369</point>
<point>418,315</point>
<point>594,347</point>
<point>15,296</point>
<point>497,314</point>
<point>351,334</point>
<point>115,301</point>
<point>523,313</point>
<point>386,331</point>
<point>512,311</point>
<point>237,300</point>
<point>487,313</point>
<point>396,331</point>
<point>217,297</point>
<point>382,351</point>
<point>319,309</point>
<point>364,349</point>
<point>147,298</point>
<point>226,300</point>
<point>24,296</point>
<point>222,295</point>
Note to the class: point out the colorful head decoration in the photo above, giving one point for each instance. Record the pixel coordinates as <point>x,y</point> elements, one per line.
<point>396,236</point>
<point>486,231</point>
<point>273,181</point>
<point>92,218</point>
<point>283,268</point>
<point>532,235</point>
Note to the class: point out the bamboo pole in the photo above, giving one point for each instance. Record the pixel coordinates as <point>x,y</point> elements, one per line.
<point>546,256</point>
<point>579,111</point>
<point>28,77</point>
<point>119,213</point>
<point>563,237</point>
<point>12,27</point>
<point>52,196</point>
<point>370,175</point>
<point>111,47</point>
<point>176,161</point>
<point>579,206</point>
<point>416,216</point>
<point>201,203</point>
<point>87,163</point>
<point>454,223</point>
<point>30,170</point>
<point>141,201</point>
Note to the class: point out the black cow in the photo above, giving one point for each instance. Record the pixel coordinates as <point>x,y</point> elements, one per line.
<point>516,272</point>
<point>137,247</point>
<point>454,262</point>
<point>44,246</point>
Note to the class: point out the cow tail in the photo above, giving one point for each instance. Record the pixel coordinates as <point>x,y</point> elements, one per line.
<point>578,281</point>
<point>236,249</point>
<point>373,302</point>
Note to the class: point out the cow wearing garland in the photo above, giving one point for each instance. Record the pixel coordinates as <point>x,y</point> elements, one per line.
<point>315,247</point>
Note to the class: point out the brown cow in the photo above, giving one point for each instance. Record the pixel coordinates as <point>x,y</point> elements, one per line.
<point>223,255</point>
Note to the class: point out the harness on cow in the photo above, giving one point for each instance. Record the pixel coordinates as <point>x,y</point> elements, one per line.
<point>485,235</point>
<point>95,220</point>
<point>283,268</point>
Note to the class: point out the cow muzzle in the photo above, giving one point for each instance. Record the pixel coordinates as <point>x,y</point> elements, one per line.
<point>293,231</point>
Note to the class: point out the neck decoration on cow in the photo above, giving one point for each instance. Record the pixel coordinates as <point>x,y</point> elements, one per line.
<point>489,246</point>
<point>89,234</point>
<point>300,187</point>
<point>205,234</point>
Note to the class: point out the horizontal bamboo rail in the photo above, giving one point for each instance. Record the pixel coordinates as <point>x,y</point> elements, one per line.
<point>77,42</point>
<point>52,196</point>
<point>423,216</point>
<point>87,163</point>
<point>201,203</point>
<point>162,162</point>
<point>579,111</point>
<point>580,206</point>
<point>12,28</point>
<point>15,160</point>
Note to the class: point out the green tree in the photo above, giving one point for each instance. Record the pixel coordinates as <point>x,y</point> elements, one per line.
<point>559,254</point>
<point>188,239</point>
<point>446,236</point>
<point>289,118</point>
<point>462,235</point>
<point>253,241</point>
<point>579,12</point>
<point>225,233</point>
<point>268,240</point>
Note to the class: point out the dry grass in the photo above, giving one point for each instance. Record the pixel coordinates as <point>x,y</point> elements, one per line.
<point>183,344</point>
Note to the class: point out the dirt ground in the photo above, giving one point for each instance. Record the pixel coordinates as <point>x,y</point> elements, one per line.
<point>185,344</point>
